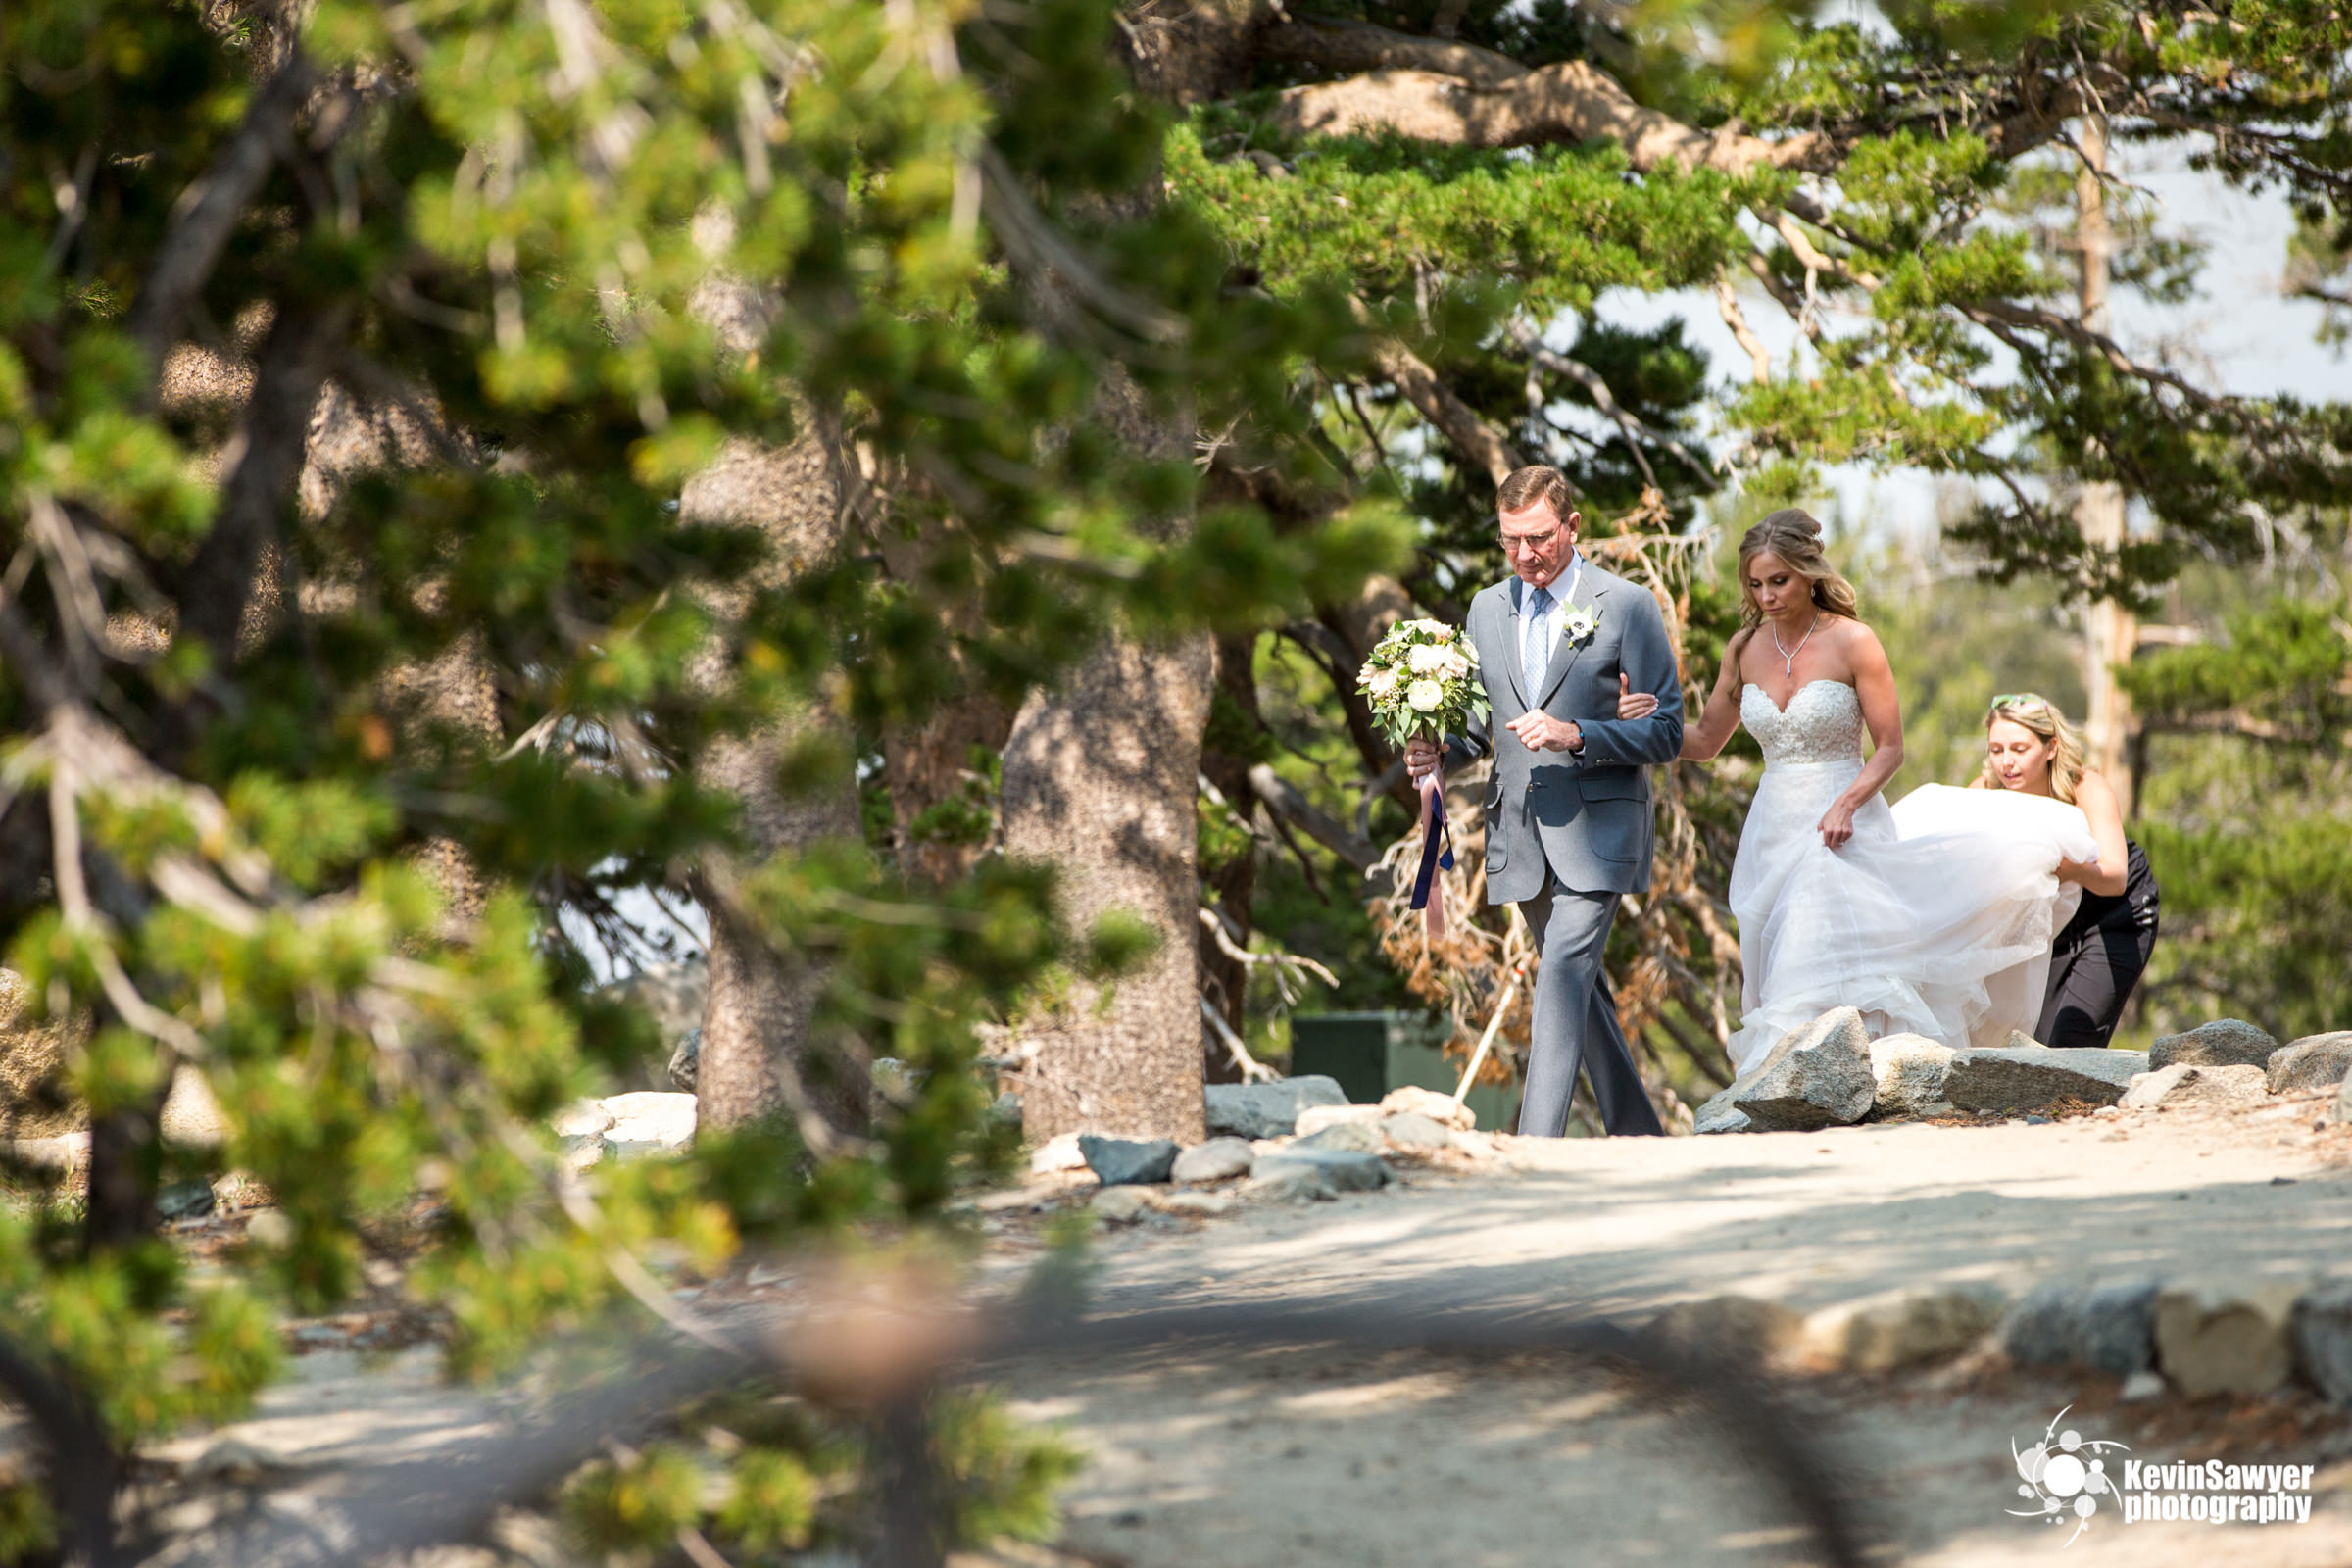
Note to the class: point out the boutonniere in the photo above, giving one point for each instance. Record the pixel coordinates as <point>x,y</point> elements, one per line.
<point>1580,624</point>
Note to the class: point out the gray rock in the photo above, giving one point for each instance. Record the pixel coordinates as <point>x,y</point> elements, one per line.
<point>1195,1206</point>
<point>2111,1328</point>
<point>1267,1111</point>
<point>2343,1102</point>
<point>1349,1137</point>
<point>2311,1065</point>
<point>1214,1161</point>
<point>1740,1329</point>
<point>2187,1086</point>
<point>2227,1333</point>
<point>1126,1161</point>
<point>1436,1106</point>
<point>2322,1330</point>
<point>1292,1181</point>
<point>1902,1327</point>
<point>1909,1071</point>
<point>2014,1080</point>
<point>1056,1154</point>
<point>1343,1170</point>
<point>1314,1118</point>
<point>1120,1205</point>
<point>1721,1113</point>
<point>1822,1079</point>
<point>1006,1109</point>
<point>1409,1132</point>
<point>2222,1043</point>
<point>2142,1385</point>
<point>687,1060</point>
<point>649,1122</point>
<point>185,1200</point>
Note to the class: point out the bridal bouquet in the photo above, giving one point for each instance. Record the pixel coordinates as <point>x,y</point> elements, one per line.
<point>1423,680</point>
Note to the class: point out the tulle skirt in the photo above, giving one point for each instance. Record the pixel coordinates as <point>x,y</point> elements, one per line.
<point>1934,918</point>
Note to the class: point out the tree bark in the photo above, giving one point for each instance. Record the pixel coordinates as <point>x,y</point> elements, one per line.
<point>1225,979</point>
<point>2110,631</point>
<point>1100,779</point>
<point>761,1056</point>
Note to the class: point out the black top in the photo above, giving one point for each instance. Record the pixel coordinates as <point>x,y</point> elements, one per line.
<point>2135,905</point>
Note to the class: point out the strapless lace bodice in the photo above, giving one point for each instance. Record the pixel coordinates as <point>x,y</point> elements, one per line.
<point>1823,724</point>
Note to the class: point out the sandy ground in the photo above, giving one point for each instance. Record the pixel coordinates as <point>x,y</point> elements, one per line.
<point>1320,1453</point>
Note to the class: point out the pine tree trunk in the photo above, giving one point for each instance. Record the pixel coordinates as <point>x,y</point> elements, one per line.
<point>761,1056</point>
<point>1225,979</point>
<point>2110,631</point>
<point>1101,775</point>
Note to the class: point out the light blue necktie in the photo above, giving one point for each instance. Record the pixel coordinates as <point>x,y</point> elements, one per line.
<point>1538,656</point>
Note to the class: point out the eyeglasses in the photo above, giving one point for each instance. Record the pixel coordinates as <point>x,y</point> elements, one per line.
<point>2020,700</point>
<point>1514,542</point>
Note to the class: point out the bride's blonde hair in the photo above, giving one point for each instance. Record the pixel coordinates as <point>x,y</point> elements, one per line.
<point>2038,716</point>
<point>1795,537</point>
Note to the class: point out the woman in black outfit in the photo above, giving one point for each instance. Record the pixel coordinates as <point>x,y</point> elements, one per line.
<point>2099,956</point>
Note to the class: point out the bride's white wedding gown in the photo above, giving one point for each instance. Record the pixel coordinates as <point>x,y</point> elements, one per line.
<point>1934,918</point>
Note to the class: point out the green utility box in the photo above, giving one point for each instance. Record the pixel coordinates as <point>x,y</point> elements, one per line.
<point>1370,1054</point>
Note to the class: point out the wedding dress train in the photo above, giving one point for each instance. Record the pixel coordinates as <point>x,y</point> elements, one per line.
<point>1934,918</point>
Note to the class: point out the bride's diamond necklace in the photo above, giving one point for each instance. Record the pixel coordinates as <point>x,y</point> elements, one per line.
<point>1788,654</point>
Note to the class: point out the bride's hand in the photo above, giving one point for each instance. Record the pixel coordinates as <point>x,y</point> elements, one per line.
<point>1837,825</point>
<point>1632,704</point>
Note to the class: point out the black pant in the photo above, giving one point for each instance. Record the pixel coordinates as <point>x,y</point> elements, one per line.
<point>2090,979</point>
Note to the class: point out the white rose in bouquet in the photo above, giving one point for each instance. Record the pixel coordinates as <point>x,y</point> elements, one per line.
<point>1427,658</point>
<point>1425,695</point>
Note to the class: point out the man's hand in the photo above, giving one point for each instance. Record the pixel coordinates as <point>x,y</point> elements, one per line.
<point>1421,758</point>
<point>1539,731</point>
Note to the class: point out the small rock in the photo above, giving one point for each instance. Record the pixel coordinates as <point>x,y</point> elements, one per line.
<point>1006,1109</point>
<point>1120,1205</point>
<point>1437,1106</point>
<point>2323,1338</point>
<point>232,1458</point>
<point>2110,1328</point>
<point>1125,1161</point>
<point>2019,1039</point>
<point>1267,1111</point>
<point>2014,1080</point>
<point>2185,1086</point>
<point>1902,1327</point>
<point>1214,1161</point>
<point>1343,1170</point>
<point>1823,1079</point>
<point>2225,1335</point>
<point>649,1123</point>
<point>686,1062</point>
<point>1316,1118</point>
<point>2222,1043</point>
<point>581,1119</point>
<point>1195,1206</point>
<point>1292,1181</point>
<point>1721,1113</point>
<point>1057,1155</point>
<point>2141,1386</point>
<point>269,1229</point>
<point>1352,1137</point>
<point>1409,1132</point>
<point>185,1200</point>
<point>2311,1065</point>
<point>1729,1328</point>
<point>1909,1071</point>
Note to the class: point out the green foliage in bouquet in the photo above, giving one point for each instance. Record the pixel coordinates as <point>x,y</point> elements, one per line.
<point>1422,679</point>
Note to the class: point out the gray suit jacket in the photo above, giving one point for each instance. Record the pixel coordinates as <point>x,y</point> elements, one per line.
<point>1583,820</point>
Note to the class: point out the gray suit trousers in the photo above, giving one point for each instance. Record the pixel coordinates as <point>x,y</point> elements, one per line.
<point>1575,1020</point>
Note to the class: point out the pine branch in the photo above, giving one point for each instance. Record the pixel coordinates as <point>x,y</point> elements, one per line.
<point>1459,424</point>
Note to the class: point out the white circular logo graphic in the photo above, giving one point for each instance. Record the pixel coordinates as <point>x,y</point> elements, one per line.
<point>2063,1477</point>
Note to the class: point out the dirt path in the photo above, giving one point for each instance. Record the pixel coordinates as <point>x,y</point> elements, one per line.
<point>1317,1455</point>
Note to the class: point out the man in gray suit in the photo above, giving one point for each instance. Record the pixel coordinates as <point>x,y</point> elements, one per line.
<point>1568,813</point>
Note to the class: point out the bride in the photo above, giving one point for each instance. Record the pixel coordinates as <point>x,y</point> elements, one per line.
<point>1934,918</point>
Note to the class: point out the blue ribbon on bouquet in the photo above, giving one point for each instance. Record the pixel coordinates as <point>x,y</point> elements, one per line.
<point>1434,831</point>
